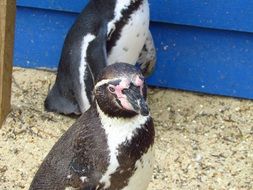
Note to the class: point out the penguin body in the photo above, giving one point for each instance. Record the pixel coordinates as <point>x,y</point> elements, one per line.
<point>128,32</point>
<point>110,147</point>
<point>106,32</point>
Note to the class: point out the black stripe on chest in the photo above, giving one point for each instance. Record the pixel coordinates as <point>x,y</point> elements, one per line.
<point>130,152</point>
<point>126,14</point>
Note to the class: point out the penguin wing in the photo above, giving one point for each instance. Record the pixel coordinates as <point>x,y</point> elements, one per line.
<point>78,158</point>
<point>147,57</point>
<point>96,52</point>
<point>54,170</point>
<point>90,158</point>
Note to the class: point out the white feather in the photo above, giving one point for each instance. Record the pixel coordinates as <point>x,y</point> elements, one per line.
<point>133,34</point>
<point>143,172</point>
<point>118,130</point>
<point>71,188</point>
<point>120,5</point>
<point>84,104</point>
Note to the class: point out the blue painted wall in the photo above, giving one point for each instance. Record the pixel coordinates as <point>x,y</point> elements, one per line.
<point>202,45</point>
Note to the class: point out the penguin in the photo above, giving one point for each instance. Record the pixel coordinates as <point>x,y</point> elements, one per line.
<point>110,146</point>
<point>106,32</point>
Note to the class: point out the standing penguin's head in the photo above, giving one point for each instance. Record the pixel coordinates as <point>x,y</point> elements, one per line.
<point>120,91</point>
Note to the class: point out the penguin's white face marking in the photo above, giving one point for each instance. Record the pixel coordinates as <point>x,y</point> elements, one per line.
<point>84,104</point>
<point>133,34</point>
<point>143,172</point>
<point>118,131</point>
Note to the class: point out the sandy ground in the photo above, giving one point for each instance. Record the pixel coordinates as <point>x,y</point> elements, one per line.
<point>202,142</point>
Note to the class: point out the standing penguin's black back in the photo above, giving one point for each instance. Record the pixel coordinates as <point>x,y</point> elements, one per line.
<point>106,32</point>
<point>65,95</point>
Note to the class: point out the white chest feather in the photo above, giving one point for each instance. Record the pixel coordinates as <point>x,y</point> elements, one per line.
<point>118,131</point>
<point>133,35</point>
<point>120,5</point>
<point>143,172</point>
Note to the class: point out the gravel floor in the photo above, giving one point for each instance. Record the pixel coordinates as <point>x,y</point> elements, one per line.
<point>202,142</point>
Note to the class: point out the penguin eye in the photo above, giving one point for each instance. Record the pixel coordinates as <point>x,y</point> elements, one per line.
<point>111,89</point>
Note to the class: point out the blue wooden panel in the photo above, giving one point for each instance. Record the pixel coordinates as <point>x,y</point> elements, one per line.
<point>190,58</point>
<point>206,60</point>
<point>39,36</point>
<point>61,5</point>
<point>219,14</point>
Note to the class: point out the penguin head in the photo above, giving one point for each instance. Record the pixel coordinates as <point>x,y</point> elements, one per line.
<point>120,91</point>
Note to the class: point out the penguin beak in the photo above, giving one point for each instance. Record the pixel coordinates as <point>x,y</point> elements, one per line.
<point>136,99</point>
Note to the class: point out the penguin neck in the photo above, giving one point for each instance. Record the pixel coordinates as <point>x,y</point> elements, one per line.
<point>120,123</point>
<point>124,5</point>
<point>118,11</point>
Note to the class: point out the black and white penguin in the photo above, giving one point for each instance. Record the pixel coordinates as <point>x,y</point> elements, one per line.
<point>110,147</point>
<point>106,32</point>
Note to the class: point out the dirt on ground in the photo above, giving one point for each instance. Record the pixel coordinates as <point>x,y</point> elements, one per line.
<point>202,141</point>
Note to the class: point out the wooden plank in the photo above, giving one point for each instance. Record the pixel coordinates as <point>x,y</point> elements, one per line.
<point>7,25</point>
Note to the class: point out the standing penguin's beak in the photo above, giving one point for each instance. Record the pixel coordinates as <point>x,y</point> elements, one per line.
<point>136,99</point>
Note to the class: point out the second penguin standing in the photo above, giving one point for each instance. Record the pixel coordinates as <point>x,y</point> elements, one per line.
<point>107,31</point>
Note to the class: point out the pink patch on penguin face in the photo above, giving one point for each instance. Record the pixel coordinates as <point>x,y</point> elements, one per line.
<point>138,81</point>
<point>125,104</point>
<point>120,87</point>
<point>117,90</point>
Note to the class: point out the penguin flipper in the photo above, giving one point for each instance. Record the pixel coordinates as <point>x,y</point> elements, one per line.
<point>96,59</point>
<point>96,52</point>
<point>147,58</point>
<point>83,175</point>
<point>89,161</point>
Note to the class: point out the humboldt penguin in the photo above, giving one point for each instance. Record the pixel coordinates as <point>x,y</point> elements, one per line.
<point>106,32</point>
<point>110,146</point>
